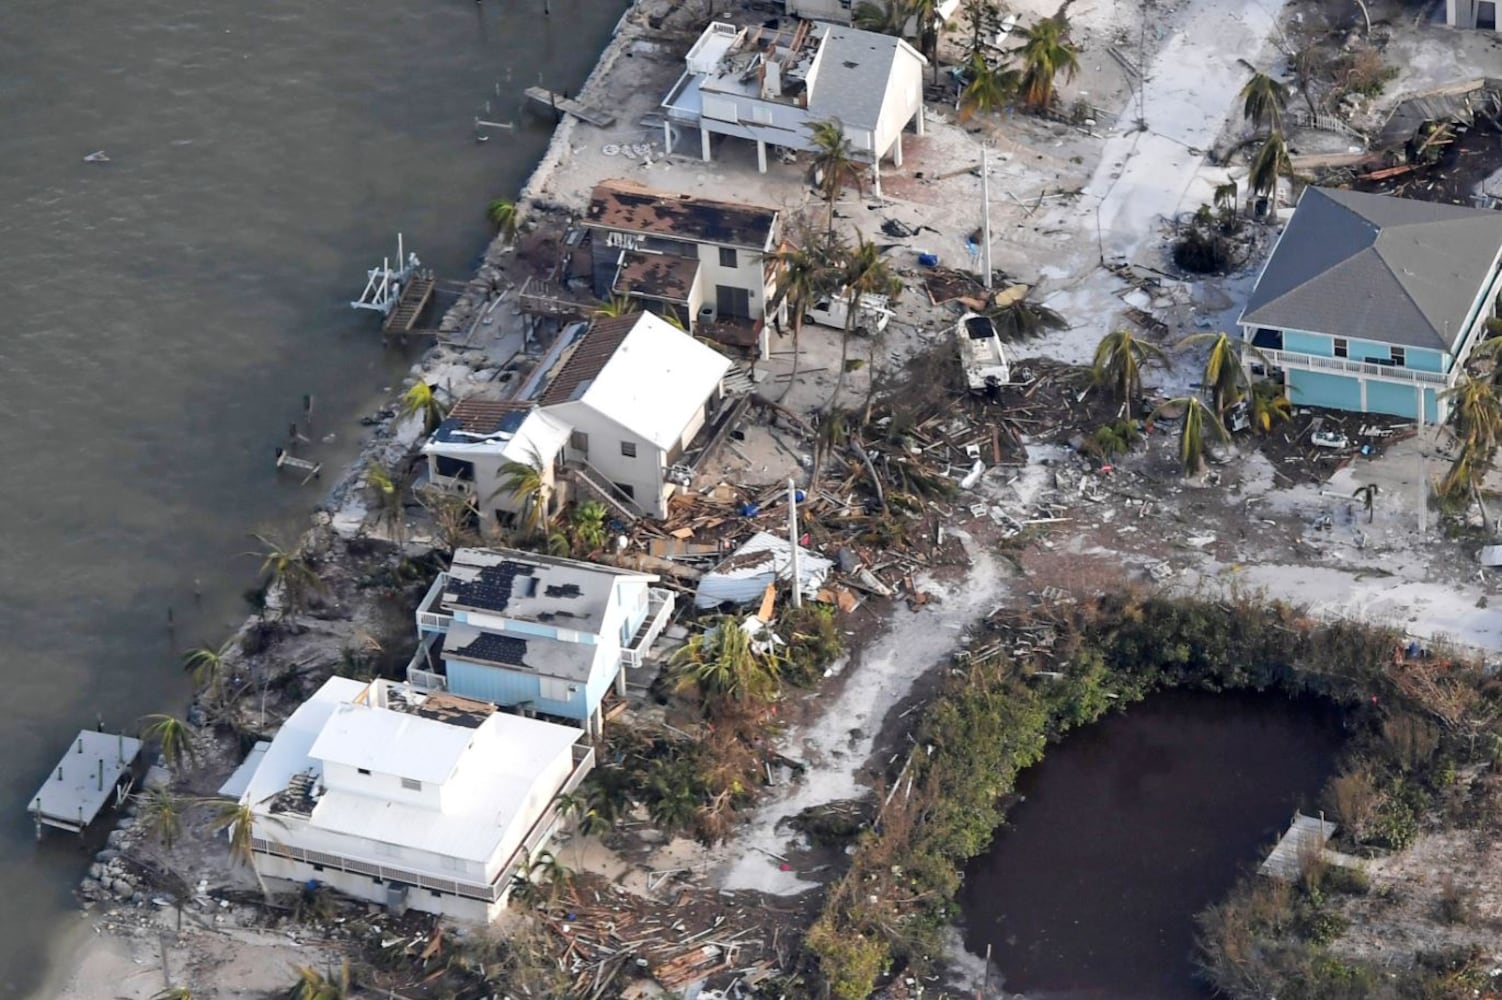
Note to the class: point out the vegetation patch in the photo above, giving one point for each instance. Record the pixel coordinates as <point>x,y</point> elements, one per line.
<point>995,716</point>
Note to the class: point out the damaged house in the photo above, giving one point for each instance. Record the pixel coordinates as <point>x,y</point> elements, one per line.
<point>704,262</point>
<point>407,799</point>
<point>536,633</point>
<point>771,85</point>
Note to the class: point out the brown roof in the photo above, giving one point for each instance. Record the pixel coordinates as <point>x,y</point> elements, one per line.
<point>632,207</point>
<point>657,276</point>
<point>477,415</point>
<point>589,357</point>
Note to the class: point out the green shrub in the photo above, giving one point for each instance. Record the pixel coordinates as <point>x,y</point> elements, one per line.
<point>814,642</point>
<point>849,962</point>
<point>1348,881</point>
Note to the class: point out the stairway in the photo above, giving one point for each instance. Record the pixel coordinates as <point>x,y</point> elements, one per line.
<point>737,380</point>
<point>591,481</point>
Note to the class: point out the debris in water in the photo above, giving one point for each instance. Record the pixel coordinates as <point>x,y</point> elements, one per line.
<point>96,157</point>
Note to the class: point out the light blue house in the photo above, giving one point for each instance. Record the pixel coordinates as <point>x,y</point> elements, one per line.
<point>535,633</point>
<point>1372,304</point>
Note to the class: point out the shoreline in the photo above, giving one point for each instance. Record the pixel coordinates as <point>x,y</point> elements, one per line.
<point>81,965</point>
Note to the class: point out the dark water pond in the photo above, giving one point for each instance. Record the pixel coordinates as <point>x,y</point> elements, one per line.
<point>1131,826</point>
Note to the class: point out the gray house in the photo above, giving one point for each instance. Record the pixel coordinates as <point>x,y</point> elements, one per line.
<point>1372,304</point>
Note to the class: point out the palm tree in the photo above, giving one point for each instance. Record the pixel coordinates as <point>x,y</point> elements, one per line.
<point>1477,414</point>
<point>287,567</point>
<point>1225,373</point>
<point>1368,496</point>
<point>1263,101</point>
<point>1270,163</point>
<point>453,516</point>
<point>526,483</point>
<point>173,736</point>
<point>1269,405</point>
<point>238,819</point>
<point>314,985</point>
<point>1118,362</point>
<point>616,307</point>
<point>834,164</point>
<point>1199,425</point>
<point>989,87</point>
<point>161,812</point>
<point>1225,197</point>
<point>420,399</point>
<point>722,666</point>
<point>885,17</point>
<point>863,271</point>
<point>206,664</point>
<point>1021,319</point>
<point>587,524</point>
<point>802,275</point>
<point>1046,52</point>
<point>502,214</point>
<point>389,507</point>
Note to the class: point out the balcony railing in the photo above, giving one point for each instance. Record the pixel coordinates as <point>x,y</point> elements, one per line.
<point>584,762</point>
<point>428,617</point>
<point>1392,373</point>
<point>660,605</point>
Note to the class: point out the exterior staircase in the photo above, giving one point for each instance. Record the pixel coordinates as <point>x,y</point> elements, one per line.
<point>590,480</point>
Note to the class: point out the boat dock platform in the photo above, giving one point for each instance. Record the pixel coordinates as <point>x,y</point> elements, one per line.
<point>548,99</point>
<point>97,770</point>
<point>1306,838</point>
<point>417,293</point>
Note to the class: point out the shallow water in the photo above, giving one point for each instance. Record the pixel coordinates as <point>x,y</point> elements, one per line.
<point>167,311</point>
<point>1131,826</point>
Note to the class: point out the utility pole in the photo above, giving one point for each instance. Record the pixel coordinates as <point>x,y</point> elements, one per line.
<point>985,217</point>
<point>793,540</point>
<point>1423,485</point>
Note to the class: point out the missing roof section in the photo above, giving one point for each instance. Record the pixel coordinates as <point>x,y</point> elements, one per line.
<point>635,208</point>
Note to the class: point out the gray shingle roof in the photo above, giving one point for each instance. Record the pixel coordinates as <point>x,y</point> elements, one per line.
<point>1372,267</point>
<point>853,72</point>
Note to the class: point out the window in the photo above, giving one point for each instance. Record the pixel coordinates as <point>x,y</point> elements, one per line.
<point>628,448</point>
<point>579,441</point>
<point>435,892</point>
<point>1341,348</point>
<point>412,784</point>
<point>318,868</point>
<point>1400,356</point>
<point>364,770</point>
<point>627,489</point>
<point>727,256</point>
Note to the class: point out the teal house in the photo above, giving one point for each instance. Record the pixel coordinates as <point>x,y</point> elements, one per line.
<point>537,634</point>
<point>1371,304</point>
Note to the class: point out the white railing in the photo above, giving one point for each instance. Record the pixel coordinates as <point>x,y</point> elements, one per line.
<point>453,484</point>
<point>437,621</point>
<point>426,680</point>
<point>660,606</point>
<point>1391,373</point>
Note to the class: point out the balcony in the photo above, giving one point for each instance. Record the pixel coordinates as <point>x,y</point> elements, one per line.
<point>660,604</point>
<point>425,671</point>
<point>430,614</point>
<point>1390,373</point>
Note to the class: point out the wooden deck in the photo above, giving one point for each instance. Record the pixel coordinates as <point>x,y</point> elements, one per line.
<point>97,770</point>
<point>410,307</point>
<point>548,99</point>
<point>1306,836</point>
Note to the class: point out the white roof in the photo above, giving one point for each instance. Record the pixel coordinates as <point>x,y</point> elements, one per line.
<point>494,792</point>
<point>655,381</point>
<point>240,780</point>
<point>492,801</point>
<point>540,436</point>
<point>288,753</point>
<point>385,742</point>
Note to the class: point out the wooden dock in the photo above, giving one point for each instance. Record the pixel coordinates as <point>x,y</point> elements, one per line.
<point>410,307</point>
<point>548,99</point>
<point>98,770</point>
<point>1306,837</point>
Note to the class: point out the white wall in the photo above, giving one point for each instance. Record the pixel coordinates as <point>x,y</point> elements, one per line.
<point>746,274</point>
<point>838,11</point>
<point>488,495</point>
<point>643,473</point>
<point>904,99</point>
<point>385,787</point>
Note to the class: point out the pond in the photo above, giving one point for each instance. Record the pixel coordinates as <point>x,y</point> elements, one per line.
<point>1128,828</point>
